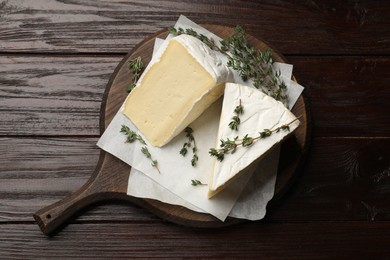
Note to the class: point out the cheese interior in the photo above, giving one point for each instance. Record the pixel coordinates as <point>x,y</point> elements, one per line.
<point>171,94</point>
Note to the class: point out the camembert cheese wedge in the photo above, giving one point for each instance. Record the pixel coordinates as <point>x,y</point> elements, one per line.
<point>176,89</point>
<point>260,112</point>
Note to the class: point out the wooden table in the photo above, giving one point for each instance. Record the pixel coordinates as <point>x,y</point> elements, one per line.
<point>55,61</point>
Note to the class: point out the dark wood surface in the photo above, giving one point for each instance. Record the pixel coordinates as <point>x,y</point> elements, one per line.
<point>56,58</point>
<point>109,179</point>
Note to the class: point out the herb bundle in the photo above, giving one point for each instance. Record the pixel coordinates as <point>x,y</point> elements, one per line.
<point>250,63</point>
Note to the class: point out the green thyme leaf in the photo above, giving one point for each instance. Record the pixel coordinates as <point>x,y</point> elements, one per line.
<point>191,143</point>
<point>230,146</point>
<point>136,66</point>
<point>131,136</point>
<point>146,152</point>
<point>196,182</point>
<point>236,119</point>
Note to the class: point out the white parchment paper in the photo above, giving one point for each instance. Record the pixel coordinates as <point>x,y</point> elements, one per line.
<point>173,184</point>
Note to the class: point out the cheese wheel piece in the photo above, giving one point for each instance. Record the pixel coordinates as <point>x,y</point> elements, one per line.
<point>260,112</point>
<point>176,89</point>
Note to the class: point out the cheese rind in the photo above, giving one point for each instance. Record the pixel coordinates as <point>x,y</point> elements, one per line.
<point>176,89</point>
<point>260,112</point>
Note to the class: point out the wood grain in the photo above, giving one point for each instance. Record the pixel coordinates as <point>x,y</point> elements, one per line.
<point>36,172</point>
<point>335,85</point>
<point>109,179</point>
<point>45,95</point>
<point>348,177</point>
<point>344,179</point>
<point>42,95</point>
<point>337,208</point>
<point>157,240</point>
<point>325,27</point>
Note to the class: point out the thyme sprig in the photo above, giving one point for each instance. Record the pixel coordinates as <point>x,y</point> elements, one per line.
<point>191,143</point>
<point>255,65</point>
<point>189,31</point>
<point>146,152</point>
<point>250,63</point>
<point>230,146</point>
<point>236,118</point>
<point>196,182</point>
<point>136,66</point>
<point>131,136</point>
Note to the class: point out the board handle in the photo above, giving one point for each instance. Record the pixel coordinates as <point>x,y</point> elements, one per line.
<point>52,217</point>
<point>103,185</point>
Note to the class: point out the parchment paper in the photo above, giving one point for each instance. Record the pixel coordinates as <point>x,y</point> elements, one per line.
<point>173,184</point>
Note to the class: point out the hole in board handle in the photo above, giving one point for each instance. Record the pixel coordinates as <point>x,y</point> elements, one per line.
<point>48,216</point>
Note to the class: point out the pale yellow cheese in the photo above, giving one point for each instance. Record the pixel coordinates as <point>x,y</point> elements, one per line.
<point>172,93</point>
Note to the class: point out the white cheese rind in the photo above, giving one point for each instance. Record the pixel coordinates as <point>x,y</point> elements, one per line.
<point>209,59</point>
<point>175,89</point>
<point>260,112</point>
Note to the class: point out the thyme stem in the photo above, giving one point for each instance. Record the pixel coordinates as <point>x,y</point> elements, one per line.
<point>136,66</point>
<point>228,145</point>
<point>196,182</point>
<point>191,139</point>
<point>131,136</point>
<point>236,119</point>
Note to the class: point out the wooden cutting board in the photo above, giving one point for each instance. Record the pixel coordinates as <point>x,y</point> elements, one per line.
<point>109,180</point>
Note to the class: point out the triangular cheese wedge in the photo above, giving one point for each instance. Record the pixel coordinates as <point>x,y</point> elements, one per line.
<point>260,112</point>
